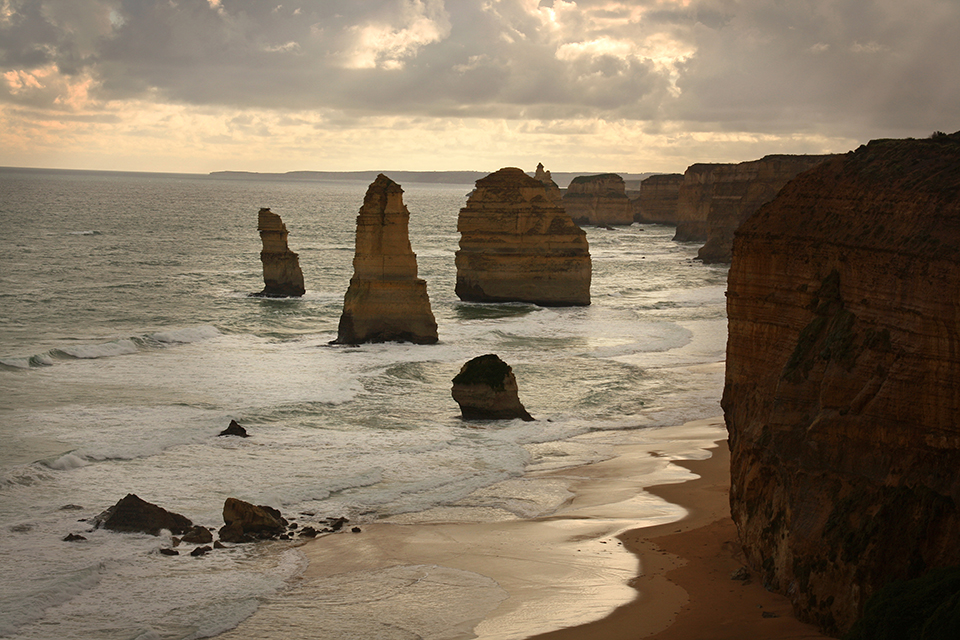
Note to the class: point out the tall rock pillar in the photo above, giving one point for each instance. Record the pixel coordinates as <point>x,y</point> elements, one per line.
<point>386,301</point>
<point>282,277</point>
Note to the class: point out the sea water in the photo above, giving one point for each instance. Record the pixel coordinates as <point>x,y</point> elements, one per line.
<point>128,341</point>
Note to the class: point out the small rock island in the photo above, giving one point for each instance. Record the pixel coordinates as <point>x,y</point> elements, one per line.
<point>386,301</point>
<point>486,389</point>
<point>282,276</point>
<point>517,244</point>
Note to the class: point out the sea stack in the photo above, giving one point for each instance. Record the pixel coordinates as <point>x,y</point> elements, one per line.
<point>486,389</point>
<point>386,301</point>
<point>553,190</point>
<point>519,245</point>
<point>282,277</point>
<point>842,390</point>
<point>598,200</point>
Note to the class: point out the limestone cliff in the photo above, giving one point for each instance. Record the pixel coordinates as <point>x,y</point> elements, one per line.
<point>282,276</point>
<point>516,245</point>
<point>386,301</point>
<point>657,203</point>
<point>715,199</point>
<point>842,391</point>
<point>600,199</point>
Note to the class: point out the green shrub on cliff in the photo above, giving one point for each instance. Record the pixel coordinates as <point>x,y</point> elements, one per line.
<point>926,608</point>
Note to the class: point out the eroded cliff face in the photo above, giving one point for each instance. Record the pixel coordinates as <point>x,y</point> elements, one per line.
<point>600,199</point>
<point>658,199</point>
<point>386,301</point>
<point>842,391</point>
<point>282,276</point>
<point>715,199</point>
<point>517,245</point>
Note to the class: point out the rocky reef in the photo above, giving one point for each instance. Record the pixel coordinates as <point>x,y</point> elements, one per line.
<point>386,301</point>
<point>486,389</point>
<point>599,199</point>
<point>842,390</point>
<point>282,277</point>
<point>715,199</point>
<point>518,245</point>
<point>657,203</point>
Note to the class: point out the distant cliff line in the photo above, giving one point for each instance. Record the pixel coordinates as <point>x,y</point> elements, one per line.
<point>434,177</point>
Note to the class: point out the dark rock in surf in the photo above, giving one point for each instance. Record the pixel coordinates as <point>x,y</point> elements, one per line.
<point>198,535</point>
<point>169,552</point>
<point>73,537</point>
<point>234,430</point>
<point>260,521</point>
<point>486,389</point>
<point>134,515</point>
<point>200,551</point>
<point>234,534</point>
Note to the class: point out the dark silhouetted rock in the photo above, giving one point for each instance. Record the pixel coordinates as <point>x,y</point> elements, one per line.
<point>260,521</point>
<point>386,301</point>
<point>131,514</point>
<point>198,535</point>
<point>74,537</point>
<point>486,389</point>
<point>169,552</point>
<point>282,276</point>
<point>234,430</point>
<point>200,551</point>
<point>233,533</point>
<point>842,390</point>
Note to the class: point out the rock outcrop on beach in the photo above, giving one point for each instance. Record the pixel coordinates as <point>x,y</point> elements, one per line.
<point>486,389</point>
<point>715,199</point>
<point>243,522</point>
<point>598,200</point>
<point>386,301</point>
<point>842,391</point>
<point>518,245</point>
<point>282,277</point>
<point>657,203</point>
<point>135,515</point>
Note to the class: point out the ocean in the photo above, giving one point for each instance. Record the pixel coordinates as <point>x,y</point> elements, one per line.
<point>128,341</point>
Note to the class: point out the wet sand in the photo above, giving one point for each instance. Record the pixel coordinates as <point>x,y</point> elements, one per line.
<point>643,548</point>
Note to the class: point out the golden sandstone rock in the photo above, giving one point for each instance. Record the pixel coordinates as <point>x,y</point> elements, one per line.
<point>386,301</point>
<point>842,391</point>
<point>282,276</point>
<point>486,389</point>
<point>518,245</point>
<point>658,199</point>
<point>598,200</point>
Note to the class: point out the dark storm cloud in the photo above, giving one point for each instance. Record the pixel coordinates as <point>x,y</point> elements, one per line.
<point>753,65</point>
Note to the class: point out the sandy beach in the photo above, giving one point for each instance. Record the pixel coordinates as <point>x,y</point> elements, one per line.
<point>643,547</point>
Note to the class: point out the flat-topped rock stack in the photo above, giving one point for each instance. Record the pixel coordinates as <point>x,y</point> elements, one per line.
<point>657,203</point>
<point>599,200</point>
<point>518,245</point>
<point>386,301</point>
<point>282,276</point>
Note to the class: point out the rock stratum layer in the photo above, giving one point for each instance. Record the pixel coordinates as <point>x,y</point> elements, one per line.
<point>600,199</point>
<point>282,277</point>
<point>715,199</point>
<point>657,203</point>
<point>517,245</point>
<point>386,301</point>
<point>842,391</point>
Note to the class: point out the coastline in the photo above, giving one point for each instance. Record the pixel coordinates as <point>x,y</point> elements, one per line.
<point>568,575</point>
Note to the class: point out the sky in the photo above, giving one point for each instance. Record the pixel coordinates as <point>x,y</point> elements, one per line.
<point>431,85</point>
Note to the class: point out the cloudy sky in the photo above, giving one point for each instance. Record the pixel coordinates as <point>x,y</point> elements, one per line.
<point>581,85</point>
